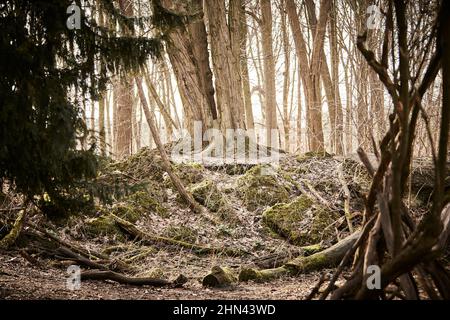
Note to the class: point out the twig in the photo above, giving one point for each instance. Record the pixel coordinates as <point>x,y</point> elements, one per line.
<point>120,278</point>
<point>346,198</point>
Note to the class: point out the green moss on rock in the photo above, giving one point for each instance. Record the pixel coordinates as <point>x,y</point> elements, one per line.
<point>301,221</point>
<point>262,186</point>
<point>103,226</point>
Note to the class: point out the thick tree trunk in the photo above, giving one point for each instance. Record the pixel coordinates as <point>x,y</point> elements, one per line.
<point>228,84</point>
<point>179,50</point>
<point>338,120</point>
<point>124,108</point>
<point>197,31</point>
<point>123,133</point>
<point>317,141</point>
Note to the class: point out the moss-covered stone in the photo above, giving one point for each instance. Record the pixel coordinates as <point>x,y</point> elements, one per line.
<point>301,221</point>
<point>262,186</point>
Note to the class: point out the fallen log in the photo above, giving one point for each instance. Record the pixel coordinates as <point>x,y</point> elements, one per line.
<point>136,281</point>
<point>278,259</point>
<point>327,258</point>
<point>219,277</point>
<point>151,239</point>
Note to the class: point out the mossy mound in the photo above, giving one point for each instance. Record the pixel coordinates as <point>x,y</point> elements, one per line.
<point>146,164</point>
<point>208,194</point>
<point>144,202</point>
<point>262,186</point>
<point>131,208</point>
<point>188,173</point>
<point>103,226</point>
<point>311,154</point>
<point>301,221</point>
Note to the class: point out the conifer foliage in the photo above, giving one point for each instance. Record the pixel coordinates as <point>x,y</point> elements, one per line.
<point>47,71</point>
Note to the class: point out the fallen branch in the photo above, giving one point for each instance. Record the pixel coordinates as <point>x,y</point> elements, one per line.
<point>65,253</point>
<point>68,250</point>
<point>278,259</point>
<point>122,279</point>
<point>348,216</point>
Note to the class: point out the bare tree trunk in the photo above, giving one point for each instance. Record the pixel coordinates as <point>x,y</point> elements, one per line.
<point>286,79</point>
<point>317,143</point>
<point>199,39</point>
<point>348,109</point>
<point>269,69</point>
<point>165,159</point>
<point>249,119</point>
<point>228,83</point>
<point>179,50</point>
<point>125,101</point>
<point>101,125</point>
<point>299,113</point>
<point>310,71</point>
<point>338,119</point>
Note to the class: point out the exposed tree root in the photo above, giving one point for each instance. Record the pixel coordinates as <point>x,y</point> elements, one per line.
<point>327,258</point>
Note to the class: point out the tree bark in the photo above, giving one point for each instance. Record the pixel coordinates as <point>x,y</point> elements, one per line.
<point>269,70</point>
<point>249,118</point>
<point>227,81</point>
<point>123,133</point>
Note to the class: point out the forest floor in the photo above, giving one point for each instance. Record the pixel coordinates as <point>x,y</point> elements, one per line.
<point>265,216</point>
<point>20,280</point>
